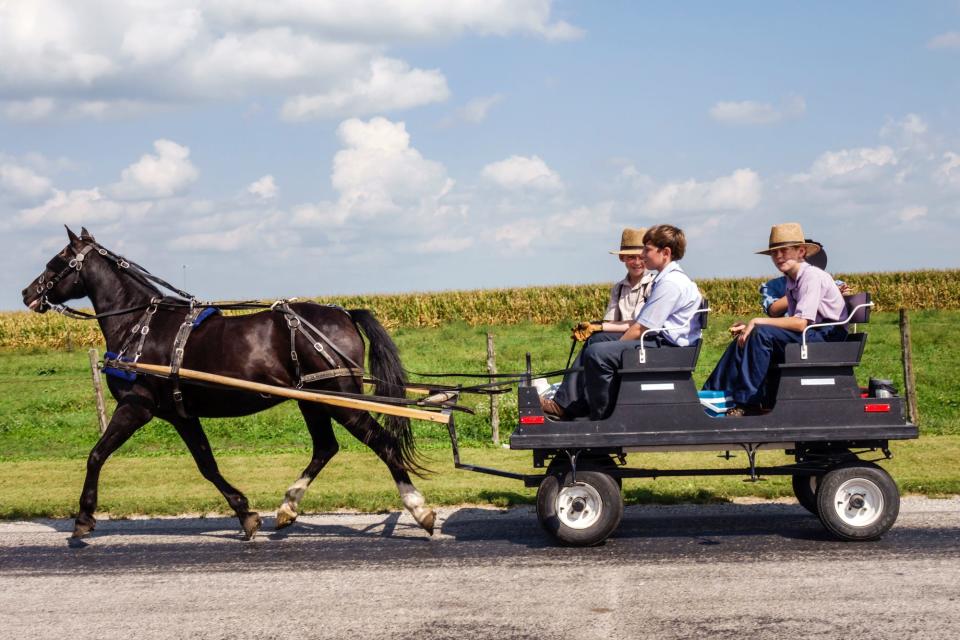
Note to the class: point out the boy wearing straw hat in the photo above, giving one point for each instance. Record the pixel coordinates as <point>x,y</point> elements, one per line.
<point>627,296</point>
<point>673,302</point>
<point>812,297</point>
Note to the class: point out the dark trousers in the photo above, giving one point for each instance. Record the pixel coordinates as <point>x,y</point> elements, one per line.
<point>572,395</point>
<point>591,391</point>
<point>743,371</point>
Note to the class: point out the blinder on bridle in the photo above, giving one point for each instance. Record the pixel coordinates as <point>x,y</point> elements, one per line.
<point>61,267</point>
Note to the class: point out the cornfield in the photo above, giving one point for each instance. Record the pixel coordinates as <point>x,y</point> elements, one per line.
<point>538,305</point>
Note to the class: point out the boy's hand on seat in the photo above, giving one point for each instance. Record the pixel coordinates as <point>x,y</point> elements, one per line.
<point>584,330</point>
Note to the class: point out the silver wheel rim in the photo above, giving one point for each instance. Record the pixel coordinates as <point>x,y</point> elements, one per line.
<point>858,502</point>
<point>579,506</point>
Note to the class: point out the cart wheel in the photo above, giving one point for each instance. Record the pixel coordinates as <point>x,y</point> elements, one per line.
<point>579,514</point>
<point>805,488</point>
<point>858,501</point>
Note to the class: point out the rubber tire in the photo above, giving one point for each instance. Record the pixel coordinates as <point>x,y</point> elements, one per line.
<point>610,514</point>
<point>827,490</point>
<point>806,494</point>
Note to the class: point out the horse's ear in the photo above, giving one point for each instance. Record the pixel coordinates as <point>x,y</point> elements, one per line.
<point>84,234</point>
<point>70,234</point>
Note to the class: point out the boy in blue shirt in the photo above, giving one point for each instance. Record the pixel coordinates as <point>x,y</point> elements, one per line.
<point>673,303</point>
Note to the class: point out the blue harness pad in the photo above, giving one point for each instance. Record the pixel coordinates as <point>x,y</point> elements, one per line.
<point>206,313</point>
<point>129,376</point>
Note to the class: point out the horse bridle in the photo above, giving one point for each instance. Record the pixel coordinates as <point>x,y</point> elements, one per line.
<point>63,267</point>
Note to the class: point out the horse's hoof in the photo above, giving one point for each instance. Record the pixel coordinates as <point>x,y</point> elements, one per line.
<point>428,521</point>
<point>83,526</point>
<point>251,524</point>
<point>285,516</point>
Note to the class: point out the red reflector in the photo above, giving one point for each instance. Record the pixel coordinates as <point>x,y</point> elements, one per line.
<point>876,408</point>
<point>864,395</point>
<point>531,419</point>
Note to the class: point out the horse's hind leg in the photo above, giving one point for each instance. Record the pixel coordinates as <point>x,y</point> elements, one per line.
<point>193,436</point>
<point>385,445</point>
<point>324,448</point>
<point>129,416</point>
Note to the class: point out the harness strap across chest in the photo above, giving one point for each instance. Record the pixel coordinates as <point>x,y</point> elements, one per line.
<point>176,357</point>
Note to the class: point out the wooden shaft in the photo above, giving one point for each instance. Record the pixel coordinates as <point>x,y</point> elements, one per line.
<point>295,394</point>
<point>98,389</point>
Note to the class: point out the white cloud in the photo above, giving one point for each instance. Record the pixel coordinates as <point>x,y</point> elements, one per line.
<point>161,175</point>
<point>22,183</point>
<point>849,166</point>
<point>739,191</point>
<point>321,58</point>
<point>949,171</point>
<point>912,213</point>
<point>750,112</point>
<point>27,110</point>
<point>475,111</point>
<point>390,85</point>
<point>444,244</point>
<point>403,21</point>
<point>949,40</point>
<point>909,130</point>
<point>264,188</point>
<point>379,173</point>
<point>557,228</point>
<point>521,172</point>
<point>161,36</point>
<point>81,206</point>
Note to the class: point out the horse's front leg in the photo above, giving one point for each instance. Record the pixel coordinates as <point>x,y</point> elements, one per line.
<point>324,448</point>
<point>193,436</point>
<point>131,414</point>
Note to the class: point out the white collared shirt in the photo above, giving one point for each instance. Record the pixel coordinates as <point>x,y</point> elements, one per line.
<point>673,302</point>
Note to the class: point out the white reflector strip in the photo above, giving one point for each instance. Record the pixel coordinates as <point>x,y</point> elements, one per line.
<point>659,386</point>
<point>816,382</point>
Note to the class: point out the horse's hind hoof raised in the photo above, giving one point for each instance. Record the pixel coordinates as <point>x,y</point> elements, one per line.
<point>428,521</point>
<point>285,516</point>
<point>251,524</point>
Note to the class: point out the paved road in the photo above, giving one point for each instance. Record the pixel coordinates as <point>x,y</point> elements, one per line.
<point>763,570</point>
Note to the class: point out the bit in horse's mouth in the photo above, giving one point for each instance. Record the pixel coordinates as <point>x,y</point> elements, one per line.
<point>33,305</point>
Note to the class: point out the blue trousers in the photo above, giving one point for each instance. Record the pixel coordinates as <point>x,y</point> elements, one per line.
<point>743,371</point>
<point>591,391</point>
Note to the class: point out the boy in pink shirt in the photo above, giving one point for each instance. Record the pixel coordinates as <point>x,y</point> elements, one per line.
<point>812,297</point>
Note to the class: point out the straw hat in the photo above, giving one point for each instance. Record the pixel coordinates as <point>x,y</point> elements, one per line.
<point>789,234</point>
<point>631,242</point>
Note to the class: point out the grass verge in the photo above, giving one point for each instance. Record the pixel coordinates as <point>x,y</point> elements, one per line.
<point>356,480</point>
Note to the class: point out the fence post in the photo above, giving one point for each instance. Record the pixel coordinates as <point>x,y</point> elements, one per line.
<point>909,381</point>
<point>494,398</point>
<point>98,389</point>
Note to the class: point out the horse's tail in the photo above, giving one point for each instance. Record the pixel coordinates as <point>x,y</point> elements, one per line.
<point>391,380</point>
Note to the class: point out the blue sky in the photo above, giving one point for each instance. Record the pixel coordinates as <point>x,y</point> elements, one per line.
<point>308,148</point>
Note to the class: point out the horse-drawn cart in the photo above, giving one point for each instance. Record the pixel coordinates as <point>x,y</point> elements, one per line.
<point>314,354</point>
<point>834,430</point>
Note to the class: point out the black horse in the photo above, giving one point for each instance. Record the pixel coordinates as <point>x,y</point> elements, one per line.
<point>254,347</point>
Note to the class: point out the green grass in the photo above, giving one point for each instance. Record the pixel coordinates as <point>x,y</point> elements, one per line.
<point>47,405</point>
<point>358,481</point>
<point>48,426</point>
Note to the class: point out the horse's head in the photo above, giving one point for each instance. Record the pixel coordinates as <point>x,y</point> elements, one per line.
<point>60,280</point>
